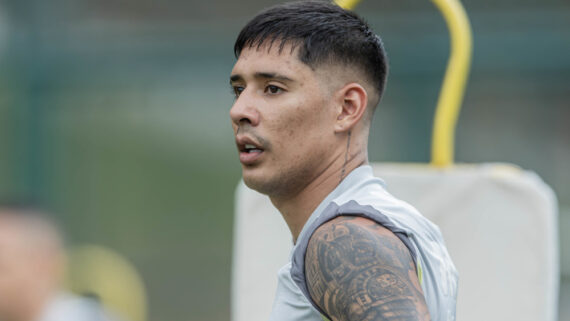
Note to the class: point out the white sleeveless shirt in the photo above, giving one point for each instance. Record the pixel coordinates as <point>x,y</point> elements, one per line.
<point>362,194</point>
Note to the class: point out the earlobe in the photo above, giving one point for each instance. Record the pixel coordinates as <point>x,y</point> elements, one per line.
<point>353,100</point>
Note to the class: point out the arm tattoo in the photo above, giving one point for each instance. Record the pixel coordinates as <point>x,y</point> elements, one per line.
<point>357,270</point>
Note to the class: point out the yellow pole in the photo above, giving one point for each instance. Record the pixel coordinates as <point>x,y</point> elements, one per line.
<point>453,88</point>
<point>455,80</point>
<point>347,4</point>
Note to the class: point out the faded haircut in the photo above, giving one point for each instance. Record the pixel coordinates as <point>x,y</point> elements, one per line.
<point>324,33</point>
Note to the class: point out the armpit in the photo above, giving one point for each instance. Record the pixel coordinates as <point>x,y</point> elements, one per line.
<point>358,270</point>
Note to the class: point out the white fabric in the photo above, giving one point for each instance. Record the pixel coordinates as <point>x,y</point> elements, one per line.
<point>68,307</point>
<point>499,224</point>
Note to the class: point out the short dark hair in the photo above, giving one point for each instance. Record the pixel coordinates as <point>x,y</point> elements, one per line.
<point>324,33</point>
<point>23,205</point>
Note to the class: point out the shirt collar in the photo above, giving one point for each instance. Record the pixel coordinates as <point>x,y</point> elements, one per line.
<point>358,175</point>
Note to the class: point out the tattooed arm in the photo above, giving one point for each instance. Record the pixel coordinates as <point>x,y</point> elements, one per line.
<point>357,270</point>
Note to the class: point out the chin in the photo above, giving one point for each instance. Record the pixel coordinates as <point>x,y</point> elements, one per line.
<point>284,183</point>
<point>256,184</point>
<point>261,183</point>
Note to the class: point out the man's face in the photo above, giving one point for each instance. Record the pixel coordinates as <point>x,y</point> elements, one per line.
<point>25,270</point>
<point>16,269</point>
<point>282,120</point>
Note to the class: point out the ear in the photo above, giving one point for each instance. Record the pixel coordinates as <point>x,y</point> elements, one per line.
<point>352,101</point>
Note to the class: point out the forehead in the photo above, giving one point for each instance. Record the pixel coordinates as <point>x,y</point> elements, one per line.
<point>271,58</point>
<point>11,234</point>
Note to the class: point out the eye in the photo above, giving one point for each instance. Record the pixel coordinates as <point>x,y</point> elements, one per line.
<point>272,89</point>
<point>237,90</point>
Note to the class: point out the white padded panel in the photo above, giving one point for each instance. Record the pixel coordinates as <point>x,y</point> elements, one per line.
<point>262,244</point>
<point>499,224</point>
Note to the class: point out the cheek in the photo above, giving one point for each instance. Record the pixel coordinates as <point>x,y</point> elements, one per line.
<point>301,129</point>
<point>313,124</point>
<point>12,281</point>
<point>295,125</point>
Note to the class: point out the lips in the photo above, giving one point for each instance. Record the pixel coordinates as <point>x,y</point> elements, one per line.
<point>250,148</point>
<point>250,151</point>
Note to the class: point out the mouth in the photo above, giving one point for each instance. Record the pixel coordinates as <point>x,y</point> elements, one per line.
<point>250,148</point>
<point>249,151</point>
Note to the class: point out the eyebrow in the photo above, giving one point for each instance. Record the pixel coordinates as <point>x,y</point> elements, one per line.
<point>262,75</point>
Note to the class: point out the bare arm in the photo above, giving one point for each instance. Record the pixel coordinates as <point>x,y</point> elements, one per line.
<point>357,270</point>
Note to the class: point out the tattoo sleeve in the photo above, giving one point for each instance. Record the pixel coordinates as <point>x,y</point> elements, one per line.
<point>357,270</point>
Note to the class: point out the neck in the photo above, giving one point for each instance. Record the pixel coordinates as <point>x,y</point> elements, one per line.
<point>297,208</point>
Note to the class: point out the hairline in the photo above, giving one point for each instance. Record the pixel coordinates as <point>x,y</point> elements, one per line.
<point>258,43</point>
<point>35,226</point>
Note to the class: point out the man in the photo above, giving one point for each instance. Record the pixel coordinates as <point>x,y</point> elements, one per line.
<point>307,80</point>
<point>32,264</point>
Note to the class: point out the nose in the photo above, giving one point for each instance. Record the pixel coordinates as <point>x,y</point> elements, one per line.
<point>243,111</point>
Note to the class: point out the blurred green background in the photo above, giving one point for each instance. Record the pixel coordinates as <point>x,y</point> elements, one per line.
<point>115,113</point>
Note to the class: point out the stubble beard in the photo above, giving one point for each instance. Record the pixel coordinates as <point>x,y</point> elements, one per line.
<point>284,184</point>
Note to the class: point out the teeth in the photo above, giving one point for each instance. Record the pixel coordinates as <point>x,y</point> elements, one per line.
<point>249,146</point>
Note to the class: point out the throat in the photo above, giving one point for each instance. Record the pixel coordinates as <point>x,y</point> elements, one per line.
<point>297,209</point>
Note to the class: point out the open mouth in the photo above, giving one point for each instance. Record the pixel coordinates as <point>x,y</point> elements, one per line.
<point>249,148</point>
<point>250,152</point>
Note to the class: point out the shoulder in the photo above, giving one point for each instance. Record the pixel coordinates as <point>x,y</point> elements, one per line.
<point>358,270</point>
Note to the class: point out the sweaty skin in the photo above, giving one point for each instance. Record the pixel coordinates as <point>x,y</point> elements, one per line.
<point>358,270</point>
